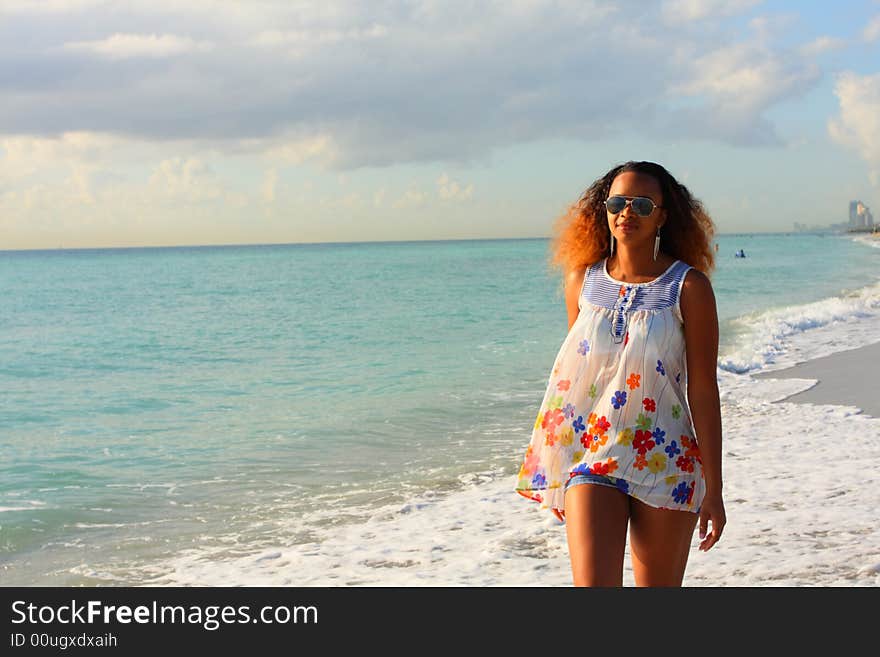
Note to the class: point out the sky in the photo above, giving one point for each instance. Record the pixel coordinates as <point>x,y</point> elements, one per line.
<point>160,122</point>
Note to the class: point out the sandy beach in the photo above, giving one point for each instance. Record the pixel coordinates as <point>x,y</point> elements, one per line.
<point>845,378</point>
<point>796,515</point>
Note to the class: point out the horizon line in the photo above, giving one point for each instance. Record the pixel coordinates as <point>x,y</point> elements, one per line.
<point>340,243</point>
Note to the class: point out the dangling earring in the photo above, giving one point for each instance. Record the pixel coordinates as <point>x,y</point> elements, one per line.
<point>612,247</point>
<point>657,244</point>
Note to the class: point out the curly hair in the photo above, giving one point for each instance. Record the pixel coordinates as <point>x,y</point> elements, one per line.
<point>581,236</point>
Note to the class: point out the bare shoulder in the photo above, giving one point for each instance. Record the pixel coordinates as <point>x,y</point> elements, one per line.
<point>695,280</point>
<point>575,277</point>
<point>697,296</point>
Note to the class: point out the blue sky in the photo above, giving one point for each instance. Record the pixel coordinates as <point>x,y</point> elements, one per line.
<point>152,122</point>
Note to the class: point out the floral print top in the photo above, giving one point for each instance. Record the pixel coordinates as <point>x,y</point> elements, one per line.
<point>616,402</point>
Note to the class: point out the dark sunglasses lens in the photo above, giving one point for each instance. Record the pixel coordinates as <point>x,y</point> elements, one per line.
<point>643,206</point>
<point>615,204</point>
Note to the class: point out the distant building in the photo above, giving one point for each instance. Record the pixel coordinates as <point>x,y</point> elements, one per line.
<point>860,217</point>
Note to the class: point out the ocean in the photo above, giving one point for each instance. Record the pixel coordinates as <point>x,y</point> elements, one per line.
<point>350,414</point>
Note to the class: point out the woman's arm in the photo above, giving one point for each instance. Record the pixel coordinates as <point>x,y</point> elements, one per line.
<point>700,317</point>
<point>574,281</point>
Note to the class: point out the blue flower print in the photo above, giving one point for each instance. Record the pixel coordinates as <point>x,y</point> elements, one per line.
<point>569,410</point>
<point>619,399</point>
<point>660,368</point>
<point>582,468</point>
<point>584,348</point>
<point>680,493</point>
<point>622,485</point>
<point>578,425</point>
<point>658,435</point>
<point>672,449</point>
<point>539,481</point>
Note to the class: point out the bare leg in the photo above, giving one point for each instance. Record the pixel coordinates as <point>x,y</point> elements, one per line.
<point>595,522</point>
<point>659,542</point>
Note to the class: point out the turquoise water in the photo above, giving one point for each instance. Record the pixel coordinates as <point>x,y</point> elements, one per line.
<point>156,399</point>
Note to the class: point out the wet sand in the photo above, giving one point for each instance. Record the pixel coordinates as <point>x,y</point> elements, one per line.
<point>845,378</point>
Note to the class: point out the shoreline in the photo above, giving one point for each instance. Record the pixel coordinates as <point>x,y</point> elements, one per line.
<point>844,378</point>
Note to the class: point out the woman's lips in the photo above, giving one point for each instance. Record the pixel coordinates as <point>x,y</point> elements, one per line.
<point>627,227</point>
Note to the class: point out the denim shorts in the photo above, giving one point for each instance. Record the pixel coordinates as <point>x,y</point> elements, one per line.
<point>602,480</point>
<point>650,495</point>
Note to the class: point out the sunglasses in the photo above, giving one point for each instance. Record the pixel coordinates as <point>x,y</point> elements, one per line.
<point>641,205</point>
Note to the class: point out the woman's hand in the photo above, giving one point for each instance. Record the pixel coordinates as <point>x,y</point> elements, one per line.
<point>711,509</point>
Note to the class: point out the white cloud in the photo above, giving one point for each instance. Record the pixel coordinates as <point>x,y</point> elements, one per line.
<point>822,44</point>
<point>746,77</point>
<point>24,156</point>
<point>858,126</point>
<point>80,181</point>
<point>319,148</point>
<point>185,179</point>
<point>298,43</point>
<point>46,6</point>
<point>350,201</point>
<point>269,182</point>
<point>411,199</point>
<point>450,190</point>
<point>872,29</point>
<point>394,83</point>
<point>772,26</point>
<point>694,10</point>
<point>123,46</point>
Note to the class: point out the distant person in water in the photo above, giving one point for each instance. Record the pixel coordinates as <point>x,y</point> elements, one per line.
<point>740,254</point>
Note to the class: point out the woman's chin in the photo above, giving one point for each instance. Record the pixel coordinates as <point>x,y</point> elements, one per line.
<point>631,239</point>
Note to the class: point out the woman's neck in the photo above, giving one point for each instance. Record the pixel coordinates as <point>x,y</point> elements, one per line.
<point>627,265</point>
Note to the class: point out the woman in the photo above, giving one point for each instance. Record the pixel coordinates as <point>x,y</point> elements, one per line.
<point>629,431</point>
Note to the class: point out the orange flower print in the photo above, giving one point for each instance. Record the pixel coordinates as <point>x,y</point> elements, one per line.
<point>685,463</point>
<point>598,441</point>
<point>592,419</point>
<point>530,462</point>
<point>691,448</point>
<point>565,384</point>
<point>633,381</point>
<point>601,425</point>
<point>550,439</point>
<point>606,468</point>
<point>641,462</point>
<point>552,419</point>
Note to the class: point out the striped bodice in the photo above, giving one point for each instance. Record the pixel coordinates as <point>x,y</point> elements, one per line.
<point>600,289</point>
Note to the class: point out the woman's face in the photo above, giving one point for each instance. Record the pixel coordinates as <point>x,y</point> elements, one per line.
<point>628,227</point>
